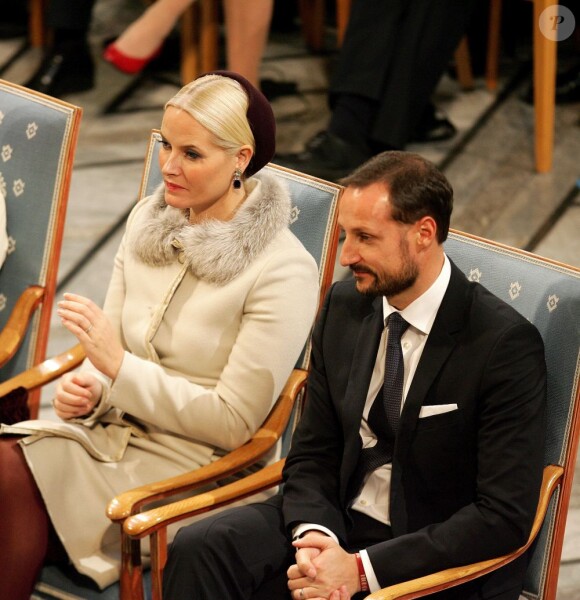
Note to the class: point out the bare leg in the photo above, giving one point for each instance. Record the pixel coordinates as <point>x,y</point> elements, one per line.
<point>24,524</point>
<point>147,33</point>
<point>247,27</point>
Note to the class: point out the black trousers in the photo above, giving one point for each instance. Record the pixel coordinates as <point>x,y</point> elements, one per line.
<point>69,14</point>
<point>244,553</point>
<point>394,53</point>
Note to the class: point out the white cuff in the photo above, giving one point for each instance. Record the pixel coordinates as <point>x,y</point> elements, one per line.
<point>304,527</point>
<point>369,571</point>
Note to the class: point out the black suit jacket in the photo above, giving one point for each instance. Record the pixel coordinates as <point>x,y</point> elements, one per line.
<point>464,483</point>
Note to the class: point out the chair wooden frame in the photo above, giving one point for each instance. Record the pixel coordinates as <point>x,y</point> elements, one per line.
<point>555,491</point>
<point>32,311</point>
<point>37,33</point>
<point>199,35</point>
<point>544,50</point>
<point>312,17</point>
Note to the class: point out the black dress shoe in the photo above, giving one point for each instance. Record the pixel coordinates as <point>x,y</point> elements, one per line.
<point>433,126</point>
<point>65,70</point>
<point>326,156</point>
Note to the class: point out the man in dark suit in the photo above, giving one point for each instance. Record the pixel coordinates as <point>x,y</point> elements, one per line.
<point>453,475</point>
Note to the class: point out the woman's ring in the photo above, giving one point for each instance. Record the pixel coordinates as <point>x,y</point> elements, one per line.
<point>301,593</point>
<point>88,328</point>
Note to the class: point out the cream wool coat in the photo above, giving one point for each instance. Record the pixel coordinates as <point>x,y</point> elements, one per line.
<point>213,318</point>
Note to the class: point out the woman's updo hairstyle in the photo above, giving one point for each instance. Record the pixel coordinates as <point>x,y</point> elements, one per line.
<point>233,111</point>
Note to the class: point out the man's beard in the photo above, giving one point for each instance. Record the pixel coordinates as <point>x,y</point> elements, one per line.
<point>389,285</point>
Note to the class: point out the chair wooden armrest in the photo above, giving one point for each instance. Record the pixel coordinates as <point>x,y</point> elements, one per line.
<point>154,523</point>
<point>441,580</point>
<point>16,327</point>
<point>46,371</point>
<point>150,522</point>
<point>264,439</point>
<point>145,523</point>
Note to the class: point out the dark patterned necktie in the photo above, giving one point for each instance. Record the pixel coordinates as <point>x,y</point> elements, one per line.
<point>394,370</point>
<point>384,414</point>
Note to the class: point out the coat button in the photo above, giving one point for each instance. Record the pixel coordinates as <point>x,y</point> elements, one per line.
<point>179,246</point>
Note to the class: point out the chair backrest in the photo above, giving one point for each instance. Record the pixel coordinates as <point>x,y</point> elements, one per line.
<point>38,137</point>
<point>313,220</point>
<point>546,293</point>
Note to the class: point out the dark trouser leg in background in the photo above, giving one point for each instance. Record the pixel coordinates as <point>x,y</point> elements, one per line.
<point>394,54</point>
<point>64,14</point>
<point>242,553</point>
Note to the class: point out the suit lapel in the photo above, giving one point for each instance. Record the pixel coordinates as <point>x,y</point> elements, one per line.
<point>442,339</point>
<point>363,362</point>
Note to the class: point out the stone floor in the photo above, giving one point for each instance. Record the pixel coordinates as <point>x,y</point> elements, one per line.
<point>489,163</point>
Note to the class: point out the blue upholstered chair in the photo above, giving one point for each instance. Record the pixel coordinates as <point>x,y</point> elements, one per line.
<point>314,212</point>
<point>547,293</point>
<point>38,137</point>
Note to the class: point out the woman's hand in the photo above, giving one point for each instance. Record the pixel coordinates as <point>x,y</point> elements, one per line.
<point>76,395</point>
<point>85,320</point>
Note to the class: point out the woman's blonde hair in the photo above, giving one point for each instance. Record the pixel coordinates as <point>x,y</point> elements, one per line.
<point>220,105</point>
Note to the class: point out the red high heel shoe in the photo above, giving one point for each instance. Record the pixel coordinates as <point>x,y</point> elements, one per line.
<point>125,63</point>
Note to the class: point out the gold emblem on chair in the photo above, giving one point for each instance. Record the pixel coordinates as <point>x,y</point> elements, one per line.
<point>552,302</point>
<point>474,275</point>
<point>18,187</point>
<point>294,214</point>
<point>6,152</point>
<point>31,130</point>
<point>515,289</point>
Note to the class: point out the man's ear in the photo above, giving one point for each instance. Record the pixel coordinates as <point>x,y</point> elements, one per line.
<point>425,231</point>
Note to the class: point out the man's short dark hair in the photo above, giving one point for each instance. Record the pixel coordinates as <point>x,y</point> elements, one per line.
<point>416,187</point>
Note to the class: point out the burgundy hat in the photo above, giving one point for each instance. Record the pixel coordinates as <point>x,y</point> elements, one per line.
<point>261,119</point>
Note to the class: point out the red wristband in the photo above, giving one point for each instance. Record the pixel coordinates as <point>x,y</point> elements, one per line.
<point>364,584</point>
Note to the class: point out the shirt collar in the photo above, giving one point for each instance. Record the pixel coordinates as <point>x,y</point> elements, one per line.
<point>421,312</point>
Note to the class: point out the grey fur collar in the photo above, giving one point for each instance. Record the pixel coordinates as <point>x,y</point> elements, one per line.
<point>215,251</point>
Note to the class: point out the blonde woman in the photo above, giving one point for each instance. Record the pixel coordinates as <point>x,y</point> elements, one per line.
<point>211,300</point>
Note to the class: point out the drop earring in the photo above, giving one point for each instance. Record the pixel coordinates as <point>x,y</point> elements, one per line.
<point>237,183</point>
